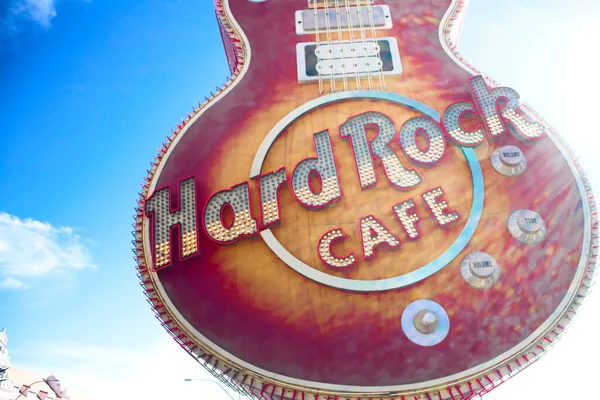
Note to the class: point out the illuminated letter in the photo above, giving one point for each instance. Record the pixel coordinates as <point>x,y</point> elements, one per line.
<point>495,113</point>
<point>436,142</point>
<point>327,256</point>
<point>238,200</point>
<point>324,166</point>
<point>452,122</point>
<point>268,186</point>
<point>438,206</point>
<point>164,218</point>
<point>397,174</point>
<point>374,234</point>
<point>408,220</point>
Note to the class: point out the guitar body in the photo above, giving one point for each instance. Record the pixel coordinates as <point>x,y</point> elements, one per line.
<point>328,318</point>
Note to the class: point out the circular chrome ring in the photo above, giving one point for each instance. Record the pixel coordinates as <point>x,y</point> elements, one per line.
<point>412,331</point>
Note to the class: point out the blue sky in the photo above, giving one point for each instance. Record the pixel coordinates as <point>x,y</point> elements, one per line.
<point>89,90</point>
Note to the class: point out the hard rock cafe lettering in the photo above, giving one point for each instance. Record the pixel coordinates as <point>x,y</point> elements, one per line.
<point>496,109</point>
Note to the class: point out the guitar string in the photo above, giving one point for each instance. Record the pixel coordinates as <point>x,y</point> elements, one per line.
<point>364,43</point>
<point>347,6</point>
<point>320,77</point>
<point>382,84</point>
<point>329,48</point>
<point>352,44</point>
<point>340,41</point>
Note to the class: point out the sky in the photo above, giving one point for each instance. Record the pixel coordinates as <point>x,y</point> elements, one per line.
<point>89,90</point>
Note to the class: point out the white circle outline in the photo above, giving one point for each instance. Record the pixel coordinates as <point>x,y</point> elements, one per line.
<point>375,285</point>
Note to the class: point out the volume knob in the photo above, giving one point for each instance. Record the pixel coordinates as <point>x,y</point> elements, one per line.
<point>480,270</point>
<point>509,161</point>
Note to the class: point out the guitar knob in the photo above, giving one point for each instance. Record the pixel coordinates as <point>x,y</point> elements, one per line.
<point>480,270</point>
<point>425,322</point>
<point>527,226</point>
<point>509,161</point>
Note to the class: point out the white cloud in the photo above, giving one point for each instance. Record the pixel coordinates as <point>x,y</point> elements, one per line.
<point>30,248</point>
<point>9,283</point>
<point>39,11</point>
<point>152,372</point>
<point>19,15</point>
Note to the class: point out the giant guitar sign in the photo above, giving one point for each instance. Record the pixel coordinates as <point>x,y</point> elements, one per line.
<point>357,214</point>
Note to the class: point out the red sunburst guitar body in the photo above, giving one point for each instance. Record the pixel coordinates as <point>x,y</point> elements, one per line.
<point>359,214</point>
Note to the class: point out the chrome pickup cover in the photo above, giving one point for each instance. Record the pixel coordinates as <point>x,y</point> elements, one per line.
<point>347,58</point>
<point>306,21</point>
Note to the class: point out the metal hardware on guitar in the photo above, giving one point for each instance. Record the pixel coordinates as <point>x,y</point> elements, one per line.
<point>324,3</point>
<point>307,23</point>
<point>346,59</point>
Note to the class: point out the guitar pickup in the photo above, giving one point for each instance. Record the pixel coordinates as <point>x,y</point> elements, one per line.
<point>342,18</point>
<point>348,59</point>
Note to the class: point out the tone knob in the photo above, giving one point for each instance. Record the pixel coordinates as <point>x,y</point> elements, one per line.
<point>425,322</point>
<point>509,161</point>
<point>527,226</point>
<point>480,270</point>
